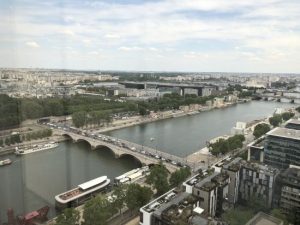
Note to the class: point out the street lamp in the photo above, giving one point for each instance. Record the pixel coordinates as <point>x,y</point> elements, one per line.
<point>155,145</point>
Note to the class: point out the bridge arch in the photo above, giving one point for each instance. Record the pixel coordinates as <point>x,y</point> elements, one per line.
<point>127,155</point>
<point>105,148</point>
<point>68,136</point>
<point>85,141</point>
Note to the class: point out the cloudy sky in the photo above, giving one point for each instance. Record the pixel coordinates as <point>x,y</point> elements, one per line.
<point>170,35</point>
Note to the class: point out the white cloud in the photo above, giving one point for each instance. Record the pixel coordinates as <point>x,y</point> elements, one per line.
<point>262,31</point>
<point>93,53</point>
<point>68,32</point>
<point>32,44</point>
<point>112,36</point>
<point>133,48</point>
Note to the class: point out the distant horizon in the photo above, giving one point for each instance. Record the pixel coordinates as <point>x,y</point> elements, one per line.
<point>146,71</point>
<point>155,35</point>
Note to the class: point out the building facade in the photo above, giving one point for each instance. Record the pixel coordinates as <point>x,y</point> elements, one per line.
<point>282,148</point>
<point>257,181</point>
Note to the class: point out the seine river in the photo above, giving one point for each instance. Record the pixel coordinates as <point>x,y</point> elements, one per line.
<point>184,135</point>
<point>33,180</point>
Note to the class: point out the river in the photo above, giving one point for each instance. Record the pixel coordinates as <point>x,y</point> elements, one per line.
<point>184,135</point>
<point>33,180</point>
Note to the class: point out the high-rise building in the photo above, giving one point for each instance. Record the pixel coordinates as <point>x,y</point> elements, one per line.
<point>287,192</point>
<point>282,147</point>
<point>257,181</point>
<point>232,168</point>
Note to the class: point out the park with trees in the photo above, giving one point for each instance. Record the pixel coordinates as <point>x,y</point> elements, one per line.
<point>85,110</point>
<point>160,179</point>
<point>277,119</point>
<point>17,138</point>
<point>223,146</point>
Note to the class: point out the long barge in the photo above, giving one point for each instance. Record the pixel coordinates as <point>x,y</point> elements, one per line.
<point>36,148</point>
<point>81,193</point>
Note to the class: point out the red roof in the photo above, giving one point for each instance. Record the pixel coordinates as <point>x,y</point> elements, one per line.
<point>31,215</point>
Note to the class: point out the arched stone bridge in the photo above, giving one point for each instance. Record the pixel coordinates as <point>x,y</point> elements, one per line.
<point>118,150</point>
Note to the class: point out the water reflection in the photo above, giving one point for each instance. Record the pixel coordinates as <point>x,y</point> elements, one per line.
<point>33,180</point>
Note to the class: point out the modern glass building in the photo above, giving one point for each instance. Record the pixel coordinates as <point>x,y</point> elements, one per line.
<point>282,147</point>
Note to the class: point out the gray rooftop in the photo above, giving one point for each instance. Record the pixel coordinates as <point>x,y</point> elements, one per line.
<point>198,220</point>
<point>285,133</point>
<point>293,121</point>
<point>264,219</point>
<point>205,180</point>
<point>174,201</point>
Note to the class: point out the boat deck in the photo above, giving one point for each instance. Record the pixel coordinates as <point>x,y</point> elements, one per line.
<point>71,194</point>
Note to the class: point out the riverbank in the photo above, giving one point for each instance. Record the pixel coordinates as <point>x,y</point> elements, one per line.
<point>137,120</point>
<point>11,149</point>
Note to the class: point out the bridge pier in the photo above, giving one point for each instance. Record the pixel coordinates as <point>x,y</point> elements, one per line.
<point>181,91</point>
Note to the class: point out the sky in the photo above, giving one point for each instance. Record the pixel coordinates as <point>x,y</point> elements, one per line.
<point>152,35</point>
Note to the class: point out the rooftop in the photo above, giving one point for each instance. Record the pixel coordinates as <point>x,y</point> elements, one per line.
<point>264,219</point>
<point>92,183</point>
<point>233,165</point>
<point>261,168</point>
<point>293,121</point>
<point>291,176</point>
<point>160,201</point>
<point>258,143</point>
<point>221,178</point>
<point>180,208</point>
<point>201,176</point>
<point>285,133</point>
<point>207,179</point>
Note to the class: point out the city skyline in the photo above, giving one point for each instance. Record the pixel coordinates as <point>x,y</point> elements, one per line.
<point>138,35</point>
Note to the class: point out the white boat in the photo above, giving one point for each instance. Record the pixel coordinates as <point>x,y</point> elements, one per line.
<point>36,148</point>
<point>81,193</point>
<point>5,162</point>
<point>131,175</point>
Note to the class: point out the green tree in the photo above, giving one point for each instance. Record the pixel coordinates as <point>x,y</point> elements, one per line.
<point>137,196</point>
<point>70,216</point>
<point>143,110</point>
<point>179,176</point>
<point>7,141</point>
<point>275,120</point>
<point>97,211</point>
<point>261,129</point>
<point>119,194</point>
<point>31,109</point>
<point>158,178</point>
<point>280,215</point>
<point>287,115</point>
<point>79,119</point>
<point>223,146</point>
<point>237,216</point>
<point>257,204</point>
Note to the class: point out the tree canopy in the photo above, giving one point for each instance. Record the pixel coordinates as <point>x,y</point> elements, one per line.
<point>158,178</point>
<point>287,115</point>
<point>97,211</point>
<point>70,216</point>
<point>223,146</point>
<point>179,176</point>
<point>261,129</point>
<point>137,196</point>
<point>275,120</point>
